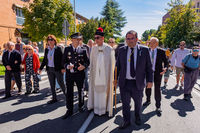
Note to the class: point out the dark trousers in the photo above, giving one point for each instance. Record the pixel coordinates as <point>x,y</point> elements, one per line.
<point>131,91</point>
<point>86,86</point>
<point>53,75</point>
<point>8,76</point>
<point>157,91</point>
<point>79,80</point>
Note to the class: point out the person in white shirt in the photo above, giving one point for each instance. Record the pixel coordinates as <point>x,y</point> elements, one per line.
<point>177,57</point>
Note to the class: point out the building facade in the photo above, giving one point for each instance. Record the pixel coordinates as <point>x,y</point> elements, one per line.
<point>12,19</point>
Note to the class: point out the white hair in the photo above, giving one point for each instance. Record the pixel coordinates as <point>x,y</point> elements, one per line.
<point>11,43</point>
<point>154,38</point>
<point>91,41</point>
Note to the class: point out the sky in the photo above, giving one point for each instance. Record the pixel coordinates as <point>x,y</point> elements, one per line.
<point>141,15</point>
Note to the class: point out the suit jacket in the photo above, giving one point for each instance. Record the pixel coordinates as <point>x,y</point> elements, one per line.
<point>57,59</point>
<point>69,57</point>
<point>144,72</point>
<point>161,61</point>
<point>14,56</point>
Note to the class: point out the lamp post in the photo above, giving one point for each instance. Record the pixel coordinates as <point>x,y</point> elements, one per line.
<point>75,14</point>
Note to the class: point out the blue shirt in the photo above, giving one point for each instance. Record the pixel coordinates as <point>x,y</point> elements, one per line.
<point>191,62</point>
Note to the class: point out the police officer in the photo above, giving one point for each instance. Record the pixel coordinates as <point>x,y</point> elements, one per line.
<point>75,61</point>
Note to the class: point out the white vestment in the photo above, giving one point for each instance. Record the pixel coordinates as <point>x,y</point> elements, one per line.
<point>100,96</point>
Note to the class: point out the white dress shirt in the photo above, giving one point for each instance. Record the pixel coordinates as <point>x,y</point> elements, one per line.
<point>128,70</point>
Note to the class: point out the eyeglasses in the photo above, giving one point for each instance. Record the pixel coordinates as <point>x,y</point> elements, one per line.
<point>51,39</point>
<point>111,42</point>
<point>181,45</point>
<point>96,38</point>
<point>28,49</point>
<point>130,39</point>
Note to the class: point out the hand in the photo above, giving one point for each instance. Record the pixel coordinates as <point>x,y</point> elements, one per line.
<point>63,71</point>
<point>172,68</point>
<point>163,72</point>
<point>40,71</point>
<point>16,62</point>
<point>81,67</point>
<point>8,68</point>
<point>149,85</point>
<point>115,83</point>
<point>70,67</point>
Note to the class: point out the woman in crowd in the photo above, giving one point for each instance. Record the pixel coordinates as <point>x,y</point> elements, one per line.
<point>191,64</point>
<point>31,66</point>
<point>35,47</point>
<point>53,62</point>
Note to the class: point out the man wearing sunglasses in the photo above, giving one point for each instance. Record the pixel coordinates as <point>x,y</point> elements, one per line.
<point>191,65</point>
<point>177,57</point>
<point>100,96</point>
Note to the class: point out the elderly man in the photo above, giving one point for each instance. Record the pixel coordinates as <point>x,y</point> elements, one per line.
<point>177,57</point>
<point>100,97</point>
<point>158,58</point>
<point>133,68</point>
<point>11,60</point>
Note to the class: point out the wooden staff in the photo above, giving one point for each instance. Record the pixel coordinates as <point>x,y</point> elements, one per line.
<point>115,87</point>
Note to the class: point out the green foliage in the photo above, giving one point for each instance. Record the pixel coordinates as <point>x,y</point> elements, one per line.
<point>147,34</point>
<point>114,16</point>
<point>195,33</point>
<point>41,59</point>
<point>44,17</point>
<point>179,25</point>
<point>88,30</point>
<point>120,40</point>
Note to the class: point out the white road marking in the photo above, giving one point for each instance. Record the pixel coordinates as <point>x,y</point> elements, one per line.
<point>86,123</point>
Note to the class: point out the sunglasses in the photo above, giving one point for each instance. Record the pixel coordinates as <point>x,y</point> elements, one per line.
<point>28,49</point>
<point>96,38</point>
<point>181,45</point>
<point>51,39</point>
<point>195,50</point>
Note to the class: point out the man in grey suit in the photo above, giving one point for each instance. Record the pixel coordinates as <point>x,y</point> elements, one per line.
<point>134,69</point>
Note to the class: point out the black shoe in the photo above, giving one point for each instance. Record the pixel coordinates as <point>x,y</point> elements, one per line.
<point>7,97</point>
<point>190,96</point>
<point>36,91</point>
<point>124,125</point>
<point>27,93</point>
<point>138,121</point>
<point>82,109</point>
<point>147,103</point>
<point>66,115</point>
<point>158,112</point>
<point>52,101</point>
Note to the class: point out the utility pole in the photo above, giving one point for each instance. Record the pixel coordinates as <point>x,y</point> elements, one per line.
<point>75,15</point>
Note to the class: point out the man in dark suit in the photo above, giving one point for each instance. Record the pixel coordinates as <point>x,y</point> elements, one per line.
<point>53,62</point>
<point>75,61</point>
<point>158,58</point>
<point>11,60</point>
<point>133,67</point>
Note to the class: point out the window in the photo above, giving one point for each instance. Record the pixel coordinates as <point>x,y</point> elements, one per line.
<point>19,16</point>
<point>198,4</point>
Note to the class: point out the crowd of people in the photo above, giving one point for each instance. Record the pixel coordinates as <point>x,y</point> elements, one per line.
<point>98,68</point>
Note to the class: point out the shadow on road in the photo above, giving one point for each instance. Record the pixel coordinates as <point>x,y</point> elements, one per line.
<point>183,107</point>
<point>171,92</point>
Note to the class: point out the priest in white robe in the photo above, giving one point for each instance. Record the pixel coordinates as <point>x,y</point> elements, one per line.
<point>102,62</point>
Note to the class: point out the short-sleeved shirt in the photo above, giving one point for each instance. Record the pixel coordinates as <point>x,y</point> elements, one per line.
<point>191,62</point>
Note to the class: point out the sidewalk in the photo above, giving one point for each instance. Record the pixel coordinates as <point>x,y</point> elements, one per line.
<point>2,82</point>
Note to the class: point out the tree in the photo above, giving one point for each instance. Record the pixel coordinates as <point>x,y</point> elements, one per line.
<point>114,16</point>
<point>179,25</point>
<point>44,17</point>
<point>195,33</point>
<point>88,30</point>
<point>147,34</point>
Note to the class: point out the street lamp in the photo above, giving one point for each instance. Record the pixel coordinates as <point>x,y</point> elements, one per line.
<point>75,15</point>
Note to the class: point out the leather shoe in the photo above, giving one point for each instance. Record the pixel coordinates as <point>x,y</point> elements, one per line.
<point>124,125</point>
<point>138,121</point>
<point>52,101</point>
<point>147,103</point>
<point>36,91</point>
<point>81,109</point>
<point>158,112</point>
<point>66,115</point>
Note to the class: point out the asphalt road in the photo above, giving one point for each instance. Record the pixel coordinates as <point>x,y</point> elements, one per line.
<point>31,114</point>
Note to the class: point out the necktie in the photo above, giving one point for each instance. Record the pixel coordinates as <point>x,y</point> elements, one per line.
<point>132,63</point>
<point>152,56</point>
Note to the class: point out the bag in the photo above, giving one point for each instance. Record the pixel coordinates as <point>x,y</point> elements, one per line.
<point>39,77</point>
